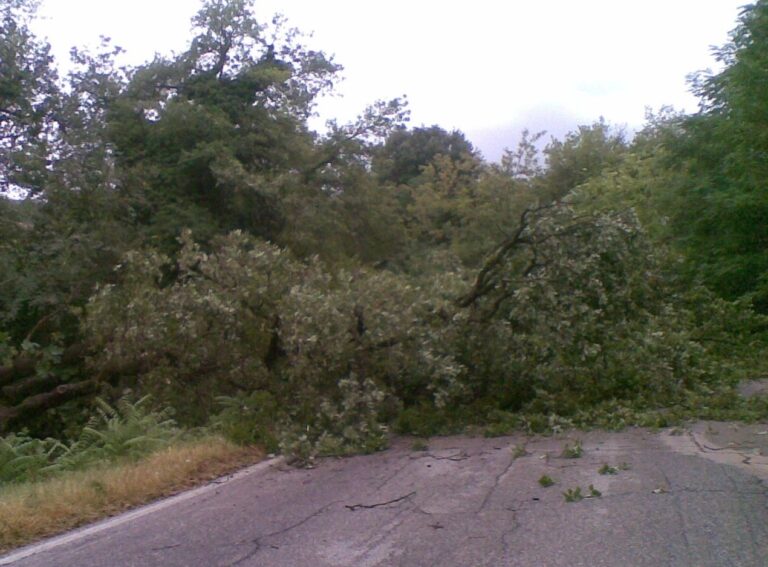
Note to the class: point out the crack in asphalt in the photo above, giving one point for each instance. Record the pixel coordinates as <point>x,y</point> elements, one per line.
<point>382,536</point>
<point>393,475</point>
<point>505,545</point>
<point>354,507</point>
<point>301,522</point>
<point>460,456</point>
<point>719,491</point>
<point>495,485</point>
<point>256,548</point>
<point>257,541</point>
<point>164,547</point>
<point>678,511</point>
<point>705,448</point>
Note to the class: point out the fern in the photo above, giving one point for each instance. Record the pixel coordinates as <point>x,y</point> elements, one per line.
<point>126,431</point>
<point>25,458</point>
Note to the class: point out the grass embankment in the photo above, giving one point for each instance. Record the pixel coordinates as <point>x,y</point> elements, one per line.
<point>32,510</point>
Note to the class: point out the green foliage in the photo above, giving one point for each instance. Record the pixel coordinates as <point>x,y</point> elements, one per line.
<point>425,420</point>
<point>584,310</point>
<point>576,495</point>
<point>29,96</point>
<point>546,481</point>
<point>372,277</point>
<point>719,217</point>
<point>407,153</point>
<point>519,451</point>
<point>209,138</point>
<point>607,469</point>
<point>352,424</point>
<point>249,420</point>
<point>338,352</point>
<point>128,430</point>
<point>583,154</point>
<point>574,451</point>
<point>25,458</point>
<point>573,494</point>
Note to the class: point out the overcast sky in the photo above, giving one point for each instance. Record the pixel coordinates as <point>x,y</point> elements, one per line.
<point>486,67</point>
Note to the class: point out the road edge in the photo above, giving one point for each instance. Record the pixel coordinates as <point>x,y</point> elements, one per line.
<point>125,517</point>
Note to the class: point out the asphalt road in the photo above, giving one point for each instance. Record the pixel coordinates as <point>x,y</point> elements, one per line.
<point>693,499</point>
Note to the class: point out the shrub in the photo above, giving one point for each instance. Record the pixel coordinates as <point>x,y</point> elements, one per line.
<point>252,419</point>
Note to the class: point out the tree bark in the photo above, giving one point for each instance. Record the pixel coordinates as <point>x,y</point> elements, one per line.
<point>47,400</point>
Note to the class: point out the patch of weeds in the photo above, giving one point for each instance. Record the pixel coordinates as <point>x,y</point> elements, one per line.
<point>252,419</point>
<point>419,445</point>
<point>499,423</point>
<point>546,481</point>
<point>535,423</point>
<point>497,430</point>
<point>425,421</point>
<point>519,450</point>
<point>608,469</point>
<point>573,494</point>
<point>574,451</point>
<point>624,466</point>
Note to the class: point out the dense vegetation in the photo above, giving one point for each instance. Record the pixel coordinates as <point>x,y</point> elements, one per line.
<point>177,230</point>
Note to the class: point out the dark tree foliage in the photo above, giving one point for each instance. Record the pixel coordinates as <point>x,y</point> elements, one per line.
<point>28,100</point>
<point>721,217</point>
<point>406,153</point>
<point>583,154</point>
<point>202,137</point>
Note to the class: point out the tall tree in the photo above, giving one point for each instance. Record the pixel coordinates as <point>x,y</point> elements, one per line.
<point>28,100</point>
<point>406,153</point>
<point>583,153</point>
<point>204,136</point>
<point>722,217</point>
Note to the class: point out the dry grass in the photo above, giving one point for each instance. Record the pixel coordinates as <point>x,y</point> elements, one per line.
<point>31,511</point>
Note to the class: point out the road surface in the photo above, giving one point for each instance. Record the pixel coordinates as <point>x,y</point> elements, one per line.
<point>691,498</point>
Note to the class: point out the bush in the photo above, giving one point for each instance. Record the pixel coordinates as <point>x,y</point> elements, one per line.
<point>252,419</point>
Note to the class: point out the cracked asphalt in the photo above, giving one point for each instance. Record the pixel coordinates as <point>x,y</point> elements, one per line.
<point>694,497</point>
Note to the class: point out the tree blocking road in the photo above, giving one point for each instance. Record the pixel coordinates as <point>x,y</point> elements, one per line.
<point>692,497</point>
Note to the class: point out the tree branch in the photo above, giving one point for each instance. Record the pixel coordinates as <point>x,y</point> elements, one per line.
<point>57,396</point>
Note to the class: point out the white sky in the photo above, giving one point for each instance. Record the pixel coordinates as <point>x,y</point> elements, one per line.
<point>486,67</point>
